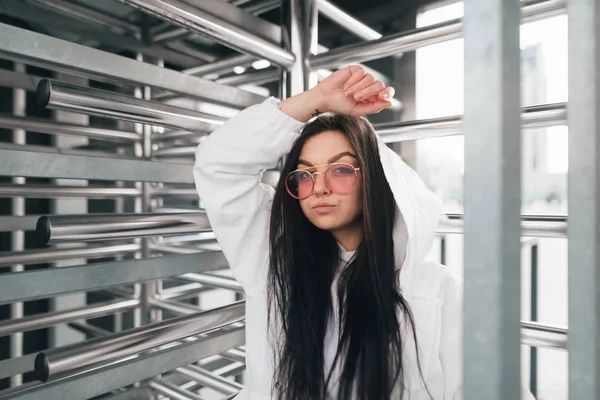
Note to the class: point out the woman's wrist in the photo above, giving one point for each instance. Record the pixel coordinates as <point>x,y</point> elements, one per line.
<point>305,105</point>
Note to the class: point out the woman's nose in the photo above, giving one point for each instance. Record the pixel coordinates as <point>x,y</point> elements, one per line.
<point>320,185</point>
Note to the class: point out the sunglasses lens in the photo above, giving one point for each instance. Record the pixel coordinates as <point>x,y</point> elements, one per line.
<point>341,178</point>
<point>299,184</point>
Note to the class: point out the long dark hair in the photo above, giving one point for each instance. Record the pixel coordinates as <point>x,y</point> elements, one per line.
<point>302,265</point>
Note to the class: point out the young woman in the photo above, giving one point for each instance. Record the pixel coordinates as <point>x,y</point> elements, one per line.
<point>341,300</point>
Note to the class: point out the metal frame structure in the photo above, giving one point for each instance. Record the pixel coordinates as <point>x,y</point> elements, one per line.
<point>166,252</point>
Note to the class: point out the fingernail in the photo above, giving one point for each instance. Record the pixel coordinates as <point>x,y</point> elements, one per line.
<point>348,92</point>
<point>385,95</point>
<point>358,96</point>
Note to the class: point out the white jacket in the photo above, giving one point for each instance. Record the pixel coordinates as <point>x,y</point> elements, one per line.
<point>228,171</point>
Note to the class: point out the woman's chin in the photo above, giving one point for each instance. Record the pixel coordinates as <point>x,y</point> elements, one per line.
<point>326,222</point>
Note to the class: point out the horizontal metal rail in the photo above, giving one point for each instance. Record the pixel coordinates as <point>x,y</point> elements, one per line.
<point>210,380</point>
<point>28,47</point>
<point>70,228</point>
<point>68,166</point>
<point>57,128</point>
<point>533,117</point>
<point>47,255</point>
<point>409,41</point>
<point>134,341</point>
<point>201,22</point>
<point>171,390</point>
<point>116,375</point>
<point>63,96</point>
<point>221,282</point>
<point>534,226</point>
<point>58,317</point>
<point>51,191</point>
<point>50,282</point>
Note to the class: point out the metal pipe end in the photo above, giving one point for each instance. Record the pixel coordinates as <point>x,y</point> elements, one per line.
<point>43,93</point>
<point>41,368</point>
<point>43,227</point>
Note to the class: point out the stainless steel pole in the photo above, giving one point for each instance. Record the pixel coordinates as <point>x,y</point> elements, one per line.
<point>18,236</point>
<point>584,199</point>
<point>492,130</point>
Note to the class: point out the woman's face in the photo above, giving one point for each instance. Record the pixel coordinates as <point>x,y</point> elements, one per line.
<point>325,208</point>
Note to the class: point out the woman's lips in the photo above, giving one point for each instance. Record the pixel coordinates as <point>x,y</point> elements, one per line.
<point>323,208</point>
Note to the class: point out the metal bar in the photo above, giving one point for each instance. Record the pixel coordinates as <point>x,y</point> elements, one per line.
<point>198,21</point>
<point>217,281</point>
<point>38,256</point>
<point>583,182</point>
<point>45,320</point>
<point>68,166</point>
<point>346,21</point>
<point>62,96</point>
<point>532,117</point>
<point>225,64</point>
<point>174,307</point>
<point>88,329</point>
<point>171,34</point>
<point>172,391</point>
<point>126,344</point>
<point>262,7</point>
<point>68,228</point>
<point>47,52</point>
<point>255,77</point>
<point>18,236</point>
<point>16,366</point>
<point>236,355</point>
<point>49,282</point>
<point>56,128</point>
<point>531,226</point>
<point>177,192</point>
<point>492,355</point>
<point>182,292</point>
<point>541,337</point>
<point>180,151</point>
<point>48,191</point>
<point>210,380</point>
<point>409,41</point>
<point>98,381</point>
<point>533,357</point>
<point>98,17</point>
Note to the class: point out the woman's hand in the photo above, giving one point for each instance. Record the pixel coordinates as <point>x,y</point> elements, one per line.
<point>352,91</point>
<point>348,91</point>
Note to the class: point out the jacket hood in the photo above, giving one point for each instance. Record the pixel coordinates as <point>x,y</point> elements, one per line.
<point>419,213</point>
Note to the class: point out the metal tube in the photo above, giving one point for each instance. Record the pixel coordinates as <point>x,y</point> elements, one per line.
<point>38,256</point>
<point>262,7</point>
<point>68,228</point>
<point>171,34</point>
<point>225,64</point>
<point>221,282</point>
<point>408,41</point>
<point>542,226</point>
<point>56,128</point>
<point>177,192</point>
<point>62,96</point>
<point>492,198</point>
<point>198,21</point>
<point>172,391</point>
<point>88,329</point>
<point>98,17</point>
<point>544,336</point>
<point>49,191</point>
<point>182,292</point>
<point>18,209</point>
<point>346,21</point>
<point>235,355</point>
<point>16,366</point>
<point>53,318</point>
<point>583,197</point>
<point>532,117</point>
<point>210,380</point>
<point>126,344</point>
<point>174,307</point>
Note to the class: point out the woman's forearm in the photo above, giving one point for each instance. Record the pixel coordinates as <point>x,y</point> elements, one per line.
<point>302,106</point>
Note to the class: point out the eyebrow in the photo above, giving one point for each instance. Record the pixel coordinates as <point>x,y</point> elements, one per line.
<point>331,160</point>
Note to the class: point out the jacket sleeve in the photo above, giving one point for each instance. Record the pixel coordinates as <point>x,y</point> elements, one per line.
<point>451,340</point>
<point>228,170</point>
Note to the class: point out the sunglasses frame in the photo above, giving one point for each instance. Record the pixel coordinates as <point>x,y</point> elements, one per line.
<point>312,175</point>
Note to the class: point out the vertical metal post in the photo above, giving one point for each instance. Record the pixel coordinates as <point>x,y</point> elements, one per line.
<point>584,199</point>
<point>18,237</point>
<point>492,200</point>
<point>299,35</point>
<point>534,317</point>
